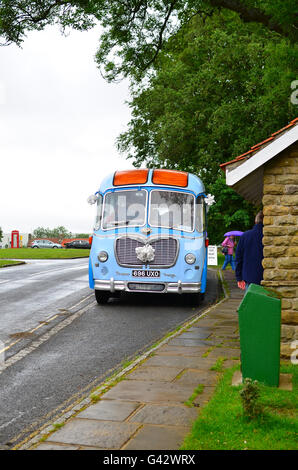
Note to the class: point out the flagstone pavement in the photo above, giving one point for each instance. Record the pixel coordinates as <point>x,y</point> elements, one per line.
<point>155,404</point>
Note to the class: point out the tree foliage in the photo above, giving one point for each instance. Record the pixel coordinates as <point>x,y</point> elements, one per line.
<point>135,30</point>
<point>220,86</point>
<point>82,235</point>
<point>1,234</point>
<point>217,78</point>
<point>230,212</point>
<point>58,232</point>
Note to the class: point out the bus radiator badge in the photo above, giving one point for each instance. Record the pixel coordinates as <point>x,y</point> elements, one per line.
<point>146,230</point>
<point>145,253</point>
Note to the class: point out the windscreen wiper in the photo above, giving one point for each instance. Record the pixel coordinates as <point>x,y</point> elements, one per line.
<point>119,222</point>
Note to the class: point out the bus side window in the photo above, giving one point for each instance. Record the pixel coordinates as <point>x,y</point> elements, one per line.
<point>200,215</point>
<point>98,213</point>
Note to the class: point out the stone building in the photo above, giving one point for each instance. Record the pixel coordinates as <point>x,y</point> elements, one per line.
<point>268,174</point>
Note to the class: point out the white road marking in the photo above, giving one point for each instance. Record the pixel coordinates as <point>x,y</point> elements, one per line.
<point>47,320</point>
<point>35,344</point>
<point>21,413</point>
<point>31,277</point>
<point>50,271</point>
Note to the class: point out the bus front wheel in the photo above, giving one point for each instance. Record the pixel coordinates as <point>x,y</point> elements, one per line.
<point>101,296</point>
<point>196,299</point>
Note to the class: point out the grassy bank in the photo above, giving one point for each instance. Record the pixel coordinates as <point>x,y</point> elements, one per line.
<point>7,262</point>
<point>42,253</point>
<point>221,259</point>
<point>222,426</point>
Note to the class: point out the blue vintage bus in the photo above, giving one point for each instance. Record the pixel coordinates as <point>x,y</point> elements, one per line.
<point>149,234</point>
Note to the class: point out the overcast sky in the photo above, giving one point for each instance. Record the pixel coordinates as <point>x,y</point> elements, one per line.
<point>58,123</point>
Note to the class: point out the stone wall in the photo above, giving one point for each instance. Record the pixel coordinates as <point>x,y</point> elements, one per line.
<point>280,202</point>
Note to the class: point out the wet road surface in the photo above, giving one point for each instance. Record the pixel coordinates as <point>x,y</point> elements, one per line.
<point>34,292</point>
<point>84,343</point>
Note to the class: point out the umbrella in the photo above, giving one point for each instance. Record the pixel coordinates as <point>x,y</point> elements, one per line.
<point>236,233</point>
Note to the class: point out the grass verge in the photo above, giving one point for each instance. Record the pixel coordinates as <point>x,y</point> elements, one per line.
<point>197,391</point>
<point>7,262</point>
<point>220,261</point>
<point>42,253</point>
<point>222,426</point>
<point>218,366</point>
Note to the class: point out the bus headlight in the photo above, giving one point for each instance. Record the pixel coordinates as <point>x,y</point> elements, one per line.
<point>190,258</point>
<point>103,256</point>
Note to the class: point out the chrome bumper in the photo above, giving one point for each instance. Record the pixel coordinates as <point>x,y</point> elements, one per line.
<point>179,287</point>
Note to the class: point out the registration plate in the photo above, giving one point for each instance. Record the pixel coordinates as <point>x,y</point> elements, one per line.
<point>145,273</point>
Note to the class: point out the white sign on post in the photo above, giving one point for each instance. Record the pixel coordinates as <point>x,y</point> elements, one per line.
<point>212,255</point>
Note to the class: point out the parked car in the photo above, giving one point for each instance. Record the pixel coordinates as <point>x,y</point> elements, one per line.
<point>78,244</point>
<point>45,244</point>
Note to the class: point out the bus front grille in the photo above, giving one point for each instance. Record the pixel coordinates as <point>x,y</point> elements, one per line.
<point>165,251</point>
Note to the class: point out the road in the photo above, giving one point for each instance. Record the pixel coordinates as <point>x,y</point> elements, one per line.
<point>61,344</point>
<point>34,292</point>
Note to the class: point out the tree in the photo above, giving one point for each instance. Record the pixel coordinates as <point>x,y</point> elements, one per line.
<point>135,30</point>
<point>231,212</point>
<point>1,234</point>
<point>82,235</point>
<point>58,232</point>
<point>219,87</point>
<point>41,232</point>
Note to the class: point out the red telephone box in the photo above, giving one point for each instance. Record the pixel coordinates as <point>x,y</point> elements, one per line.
<point>15,239</point>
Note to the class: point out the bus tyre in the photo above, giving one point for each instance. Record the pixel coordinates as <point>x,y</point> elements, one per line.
<point>196,299</point>
<point>101,296</point>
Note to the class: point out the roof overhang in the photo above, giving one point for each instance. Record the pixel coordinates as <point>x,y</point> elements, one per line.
<point>246,178</point>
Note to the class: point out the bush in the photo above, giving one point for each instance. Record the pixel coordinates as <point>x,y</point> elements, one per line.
<point>249,396</point>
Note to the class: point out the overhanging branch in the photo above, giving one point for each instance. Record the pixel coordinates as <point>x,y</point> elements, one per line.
<point>251,14</point>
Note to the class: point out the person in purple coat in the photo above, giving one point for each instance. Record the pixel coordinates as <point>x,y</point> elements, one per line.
<point>249,255</point>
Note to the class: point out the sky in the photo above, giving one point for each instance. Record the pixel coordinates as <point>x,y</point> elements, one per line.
<point>59,120</point>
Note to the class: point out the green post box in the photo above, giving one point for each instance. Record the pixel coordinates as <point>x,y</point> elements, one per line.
<point>259,328</point>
